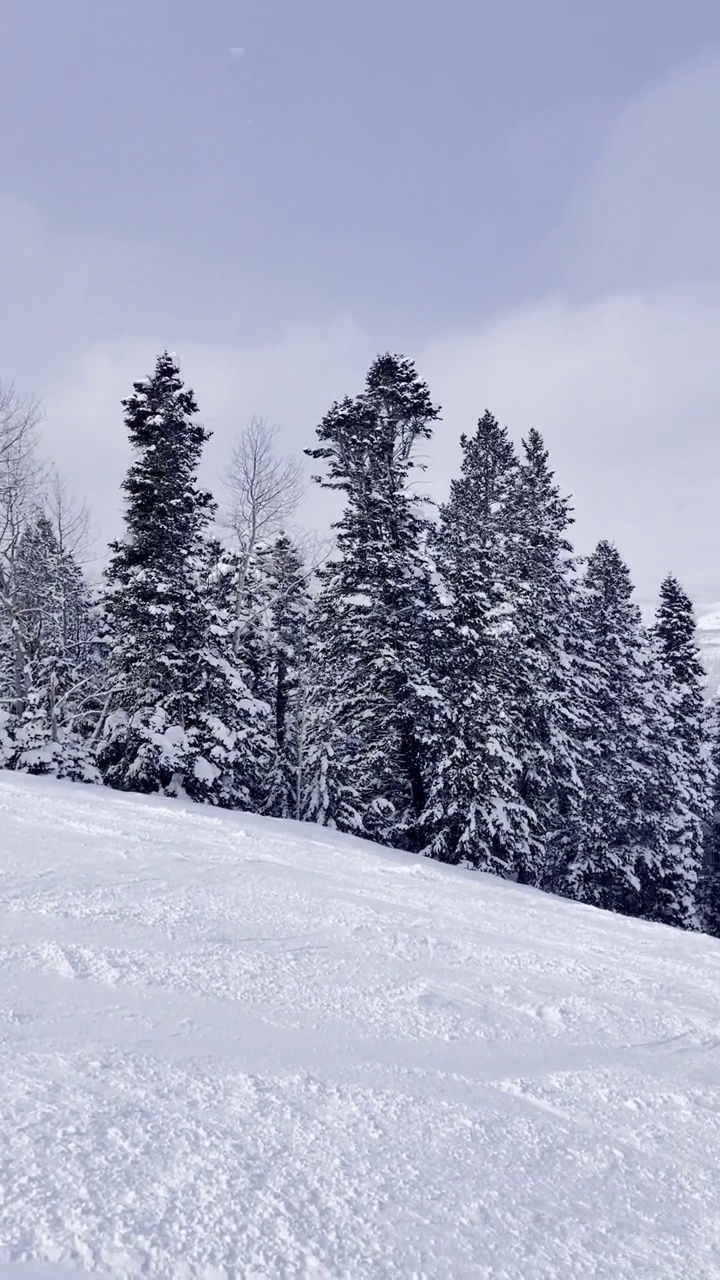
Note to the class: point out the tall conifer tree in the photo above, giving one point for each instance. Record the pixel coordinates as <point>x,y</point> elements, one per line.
<point>547,694</point>
<point>475,813</point>
<point>625,860</point>
<point>603,867</point>
<point>376,616</point>
<point>687,751</point>
<point>709,888</point>
<point>232,729</point>
<point>154,603</point>
<point>287,674</point>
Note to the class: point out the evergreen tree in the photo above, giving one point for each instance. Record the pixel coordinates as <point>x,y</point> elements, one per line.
<point>602,869</point>
<point>709,887</point>
<point>625,858</point>
<point>336,703</point>
<point>232,730</point>
<point>376,617</point>
<point>154,602</point>
<point>688,753</point>
<point>547,694</point>
<point>50,727</point>
<point>474,811</point>
<point>289,615</point>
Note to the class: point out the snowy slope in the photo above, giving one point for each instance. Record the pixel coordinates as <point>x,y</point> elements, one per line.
<point>231,1047</point>
<point>708,637</point>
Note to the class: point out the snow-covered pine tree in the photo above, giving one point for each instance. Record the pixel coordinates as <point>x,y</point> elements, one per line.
<point>334,706</point>
<point>51,726</point>
<point>624,854</point>
<point>688,751</point>
<point>474,812</point>
<point>547,694</point>
<point>709,887</point>
<point>288,639</point>
<point>232,730</point>
<point>372,713</point>
<point>154,600</point>
<point>602,869</point>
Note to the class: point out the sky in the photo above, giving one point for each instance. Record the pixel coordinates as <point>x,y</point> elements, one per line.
<point>524,198</point>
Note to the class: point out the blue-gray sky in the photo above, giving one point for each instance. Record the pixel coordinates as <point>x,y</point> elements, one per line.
<point>523,197</point>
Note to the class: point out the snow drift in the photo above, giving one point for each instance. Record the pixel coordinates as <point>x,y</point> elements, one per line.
<point>237,1047</point>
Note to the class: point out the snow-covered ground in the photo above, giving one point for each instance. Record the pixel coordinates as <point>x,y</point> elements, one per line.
<point>231,1047</point>
<point>708,636</point>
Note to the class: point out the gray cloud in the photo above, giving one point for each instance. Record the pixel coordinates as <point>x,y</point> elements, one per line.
<point>618,368</point>
<point>648,211</point>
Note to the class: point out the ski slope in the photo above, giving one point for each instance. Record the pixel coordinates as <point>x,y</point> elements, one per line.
<point>232,1047</point>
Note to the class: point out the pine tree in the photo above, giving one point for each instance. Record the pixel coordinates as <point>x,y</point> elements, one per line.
<point>337,696</point>
<point>688,751</point>
<point>289,615</point>
<point>475,813</point>
<point>375,620</point>
<point>232,730</point>
<point>50,728</point>
<point>624,852</point>
<point>154,602</point>
<point>602,869</point>
<point>709,887</point>
<point>548,695</point>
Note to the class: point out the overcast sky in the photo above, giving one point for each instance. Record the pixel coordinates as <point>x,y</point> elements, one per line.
<point>524,197</point>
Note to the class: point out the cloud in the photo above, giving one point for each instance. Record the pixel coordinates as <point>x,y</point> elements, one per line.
<point>621,370</point>
<point>626,390</point>
<point>290,380</point>
<point>618,367</point>
<point>648,211</point>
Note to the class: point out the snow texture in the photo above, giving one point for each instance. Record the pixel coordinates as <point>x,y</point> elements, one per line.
<point>238,1047</point>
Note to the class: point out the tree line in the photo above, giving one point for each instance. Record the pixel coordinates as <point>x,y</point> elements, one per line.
<point>457,683</point>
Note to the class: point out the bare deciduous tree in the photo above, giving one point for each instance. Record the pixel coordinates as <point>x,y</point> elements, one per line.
<point>21,479</point>
<point>265,489</point>
<point>71,519</point>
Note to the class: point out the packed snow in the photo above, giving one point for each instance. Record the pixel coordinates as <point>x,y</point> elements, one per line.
<point>235,1047</point>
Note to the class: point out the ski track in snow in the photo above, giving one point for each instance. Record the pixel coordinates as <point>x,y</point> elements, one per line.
<point>232,1047</point>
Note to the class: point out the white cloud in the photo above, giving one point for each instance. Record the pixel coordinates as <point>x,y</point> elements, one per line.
<point>626,391</point>
<point>649,209</point>
<point>289,380</point>
<point>620,371</point>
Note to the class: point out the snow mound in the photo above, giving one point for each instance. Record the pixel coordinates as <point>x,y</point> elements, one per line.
<point>235,1047</point>
<point>709,621</point>
<point>708,637</point>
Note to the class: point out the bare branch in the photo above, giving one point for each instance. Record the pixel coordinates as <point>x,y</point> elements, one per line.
<point>19,419</point>
<point>71,519</point>
<point>314,549</point>
<point>264,487</point>
<point>21,474</point>
<point>21,477</point>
